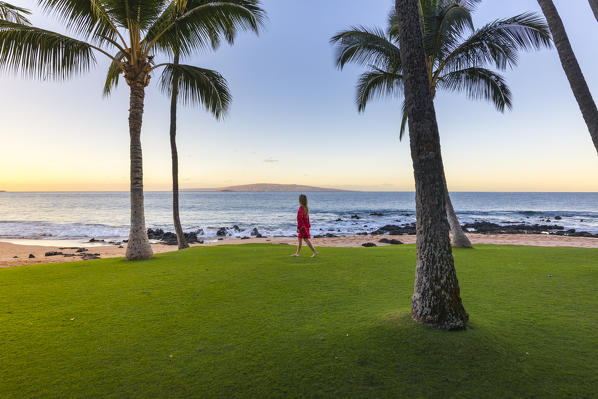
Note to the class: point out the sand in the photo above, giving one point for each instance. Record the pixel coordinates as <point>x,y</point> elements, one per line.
<point>17,255</point>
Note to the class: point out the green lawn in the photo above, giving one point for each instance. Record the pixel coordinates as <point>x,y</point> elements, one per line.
<point>250,321</point>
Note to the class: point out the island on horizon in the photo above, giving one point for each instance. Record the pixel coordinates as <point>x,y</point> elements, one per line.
<point>267,187</point>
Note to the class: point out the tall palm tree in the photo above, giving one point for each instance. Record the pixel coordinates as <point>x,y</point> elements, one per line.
<point>209,88</point>
<point>131,33</point>
<point>11,13</point>
<point>594,5</point>
<point>577,81</point>
<point>457,56</point>
<point>436,298</point>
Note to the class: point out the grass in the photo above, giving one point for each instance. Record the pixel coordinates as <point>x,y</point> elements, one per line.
<point>250,321</point>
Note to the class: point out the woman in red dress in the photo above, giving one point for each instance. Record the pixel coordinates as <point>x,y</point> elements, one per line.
<point>303,226</point>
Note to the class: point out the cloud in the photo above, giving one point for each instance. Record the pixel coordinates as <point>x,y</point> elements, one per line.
<point>270,160</point>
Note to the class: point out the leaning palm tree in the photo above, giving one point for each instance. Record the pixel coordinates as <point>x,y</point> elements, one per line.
<point>11,13</point>
<point>208,88</point>
<point>577,81</point>
<point>131,33</point>
<point>594,6</point>
<point>436,297</point>
<point>457,56</point>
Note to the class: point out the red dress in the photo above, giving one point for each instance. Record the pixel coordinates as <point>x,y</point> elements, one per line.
<point>303,224</point>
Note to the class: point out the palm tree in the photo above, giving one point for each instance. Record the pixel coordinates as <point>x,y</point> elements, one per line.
<point>578,83</point>
<point>594,5</point>
<point>209,89</point>
<point>436,298</point>
<point>131,34</point>
<point>456,56</point>
<point>11,13</point>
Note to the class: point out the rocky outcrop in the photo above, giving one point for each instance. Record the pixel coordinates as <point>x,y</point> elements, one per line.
<point>395,230</point>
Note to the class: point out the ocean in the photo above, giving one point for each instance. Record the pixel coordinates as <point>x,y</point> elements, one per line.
<point>105,215</point>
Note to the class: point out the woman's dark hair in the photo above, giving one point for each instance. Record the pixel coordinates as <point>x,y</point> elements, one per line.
<point>303,203</point>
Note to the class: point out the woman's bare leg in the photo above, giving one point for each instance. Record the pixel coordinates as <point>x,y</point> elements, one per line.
<point>309,244</point>
<point>298,248</point>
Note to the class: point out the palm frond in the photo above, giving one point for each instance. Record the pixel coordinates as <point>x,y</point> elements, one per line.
<point>134,15</point>
<point>195,85</point>
<point>479,83</point>
<point>87,18</point>
<point>11,13</point>
<point>114,71</point>
<point>366,46</point>
<point>404,119</point>
<point>377,83</point>
<point>444,28</point>
<point>41,53</point>
<point>498,43</point>
<point>203,23</point>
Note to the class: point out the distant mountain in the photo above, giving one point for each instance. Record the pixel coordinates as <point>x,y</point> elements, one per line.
<point>265,187</point>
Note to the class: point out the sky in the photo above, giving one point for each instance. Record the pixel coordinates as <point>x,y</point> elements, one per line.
<point>293,118</point>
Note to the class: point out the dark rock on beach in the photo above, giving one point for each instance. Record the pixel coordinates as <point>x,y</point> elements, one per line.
<point>493,228</point>
<point>327,235</point>
<point>339,220</point>
<point>255,233</point>
<point>368,245</point>
<point>376,214</point>
<point>355,217</point>
<point>31,256</point>
<point>53,253</point>
<point>94,240</point>
<point>170,238</point>
<point>81,250</point>
<point>395,230</point>
<point>391,242</point>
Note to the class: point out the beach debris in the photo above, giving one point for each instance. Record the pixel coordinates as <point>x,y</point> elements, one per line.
<point>53,253</point>
<point>391,241</point>
<point>355,217</point>
<point>31,256</point>
<point>72,319</point>
<point>255,232</point>
<point>81,250</point>
<point>368,245</point>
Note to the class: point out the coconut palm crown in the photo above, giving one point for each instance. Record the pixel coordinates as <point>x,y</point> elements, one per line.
<point>458,55</point>
<point>132,34</point>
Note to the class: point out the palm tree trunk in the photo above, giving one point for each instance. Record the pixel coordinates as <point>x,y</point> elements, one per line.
<point>180,235</point>
<point>436,298</point>
<point>459,239</point>
<point>594,5</point>
<point>571,67</point>
<point>138,246</point>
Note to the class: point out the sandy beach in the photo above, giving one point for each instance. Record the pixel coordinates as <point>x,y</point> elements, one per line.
<point>18,255</point>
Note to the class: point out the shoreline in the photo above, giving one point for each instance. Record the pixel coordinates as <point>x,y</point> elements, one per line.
<point>18,255</point>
